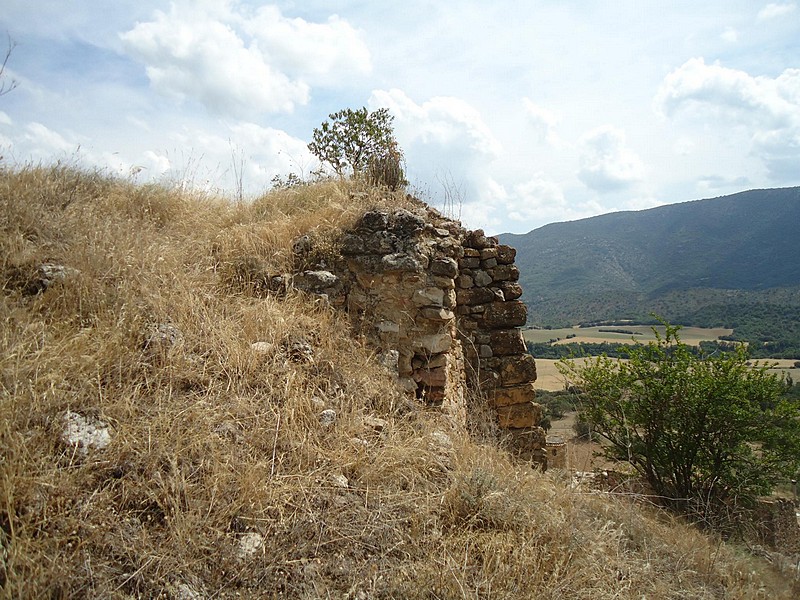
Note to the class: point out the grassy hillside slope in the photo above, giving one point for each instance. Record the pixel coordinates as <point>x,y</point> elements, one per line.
<point>672,259</point>
<point>224,475</point>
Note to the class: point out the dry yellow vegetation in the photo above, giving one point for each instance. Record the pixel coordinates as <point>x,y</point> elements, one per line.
<point>246,445</point>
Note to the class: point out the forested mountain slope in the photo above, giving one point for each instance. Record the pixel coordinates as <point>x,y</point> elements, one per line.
<point>676,259</point>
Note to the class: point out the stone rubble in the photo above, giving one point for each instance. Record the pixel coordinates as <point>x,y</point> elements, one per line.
<point>84,434</point>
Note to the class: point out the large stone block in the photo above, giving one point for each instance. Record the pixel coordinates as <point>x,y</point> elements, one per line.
<point>429,296</point>
<point>506,254</point>
<point>403,262</point>
<point>505,273</point>
<point>374,220</point>
<point>482,278</point>
<point>516,369</point>
<point>478,240</point>
<point>473,296</point>
<point>511,290</point>
<point>509,396</point>
<point>446,267</point>
<point>432,344</point>
<point>504,315</point>
<point>505,342</point>
<point>517,416</point>
<point>436,314</point>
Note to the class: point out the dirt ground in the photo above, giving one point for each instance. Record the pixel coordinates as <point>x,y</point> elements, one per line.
<point>582,455</point>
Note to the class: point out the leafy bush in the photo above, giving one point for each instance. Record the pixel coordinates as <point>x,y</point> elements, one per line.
<point>360,143</point>
<point>709,434</point>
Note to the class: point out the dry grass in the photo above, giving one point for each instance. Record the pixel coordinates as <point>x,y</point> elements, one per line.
<point>214,442</point>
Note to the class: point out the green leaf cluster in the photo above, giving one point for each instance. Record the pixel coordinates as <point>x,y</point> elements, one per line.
<point>708,433</point>
<point>360,143</point>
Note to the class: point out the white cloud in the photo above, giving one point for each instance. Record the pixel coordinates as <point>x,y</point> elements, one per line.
<point>769,109</point>
<point>544,120</point>
<point>440,121</point>
<point>5,119</point>
<point>730,35</point>
<point>447,141</point>
<point>190,54</point>
<point>47,142</point>
<point>315,51</point>
<point>240,64</point>
<point>774,10</point>
<point>606,162</point>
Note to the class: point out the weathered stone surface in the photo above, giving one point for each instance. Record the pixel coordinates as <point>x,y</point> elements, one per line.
<point>472,252</point>
<point>489,263</point>
<point>506,254</point>
<point>84,433</point>
<point>485,351</point>
<point>446,267</point>
<point>429,296</point>
<point>507,341</point>
<point>327,417</point>
<point>482,278</point>
<point>382,242</point>
<point>446,283</point>
<point>263,348</point>
<point>401,262</point>
<point>388,327</point>
<point>432,344</point>
<point>437,314</point>
<point>477,240</point>
<point>469,262</point>
<point>406,222</point>
<point>48,274</point>
<point>249,545</point>
<point>517,369</point>
<point>315,281</point>
<point>518,416</point>
<point>352,244</point>
<point>511,290</point>
<point>473,296</point>
<point>505,273</point>
<point>374,220</point>
<point>504,315</point>
<point>465,281</point>
<point>449,299</point>
<point>508,396</point>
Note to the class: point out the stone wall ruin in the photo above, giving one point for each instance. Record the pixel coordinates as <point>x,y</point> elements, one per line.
<point>441,307</point>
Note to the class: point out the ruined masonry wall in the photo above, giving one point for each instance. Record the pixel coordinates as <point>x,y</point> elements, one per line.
<point>441,306</point>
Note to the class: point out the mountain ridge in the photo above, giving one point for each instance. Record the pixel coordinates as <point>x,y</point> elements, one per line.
<point>743,241</point>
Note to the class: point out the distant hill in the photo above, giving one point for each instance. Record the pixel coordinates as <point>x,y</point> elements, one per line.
<point>679,260</point>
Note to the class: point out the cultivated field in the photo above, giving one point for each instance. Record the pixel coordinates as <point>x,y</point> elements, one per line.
<point>639,333</point>
<point>548,378</point>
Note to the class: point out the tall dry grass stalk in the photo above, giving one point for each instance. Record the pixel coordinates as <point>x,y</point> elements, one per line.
<point>221,478</point>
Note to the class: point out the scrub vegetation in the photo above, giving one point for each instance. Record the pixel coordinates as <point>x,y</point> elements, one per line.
<point>242,444</point>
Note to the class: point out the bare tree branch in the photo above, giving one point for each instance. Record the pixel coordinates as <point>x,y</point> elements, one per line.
<point>6,87</point>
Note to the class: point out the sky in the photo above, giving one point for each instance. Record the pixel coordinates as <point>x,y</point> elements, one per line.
<point>510,114</point>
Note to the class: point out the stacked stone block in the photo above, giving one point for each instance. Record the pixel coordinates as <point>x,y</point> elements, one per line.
<point>402,298</point>
<point>489,316</point>
<point>441,306</point>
